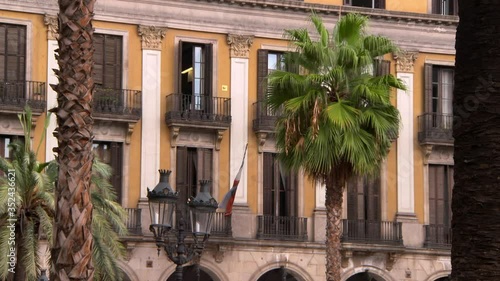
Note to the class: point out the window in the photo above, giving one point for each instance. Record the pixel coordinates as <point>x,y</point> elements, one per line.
<point>195,77</point>
<point>193,165</point>
<point>267,62</point>
<point>12,52</point>
<point>363,199</point>
<point>445,7</point>
<point>280,189</point>
<point>440,187</point>
<point>5,140</point>
<point>111,154</point>
<point>439,94</point>
<point>108,60</point>
<point>374,4</point>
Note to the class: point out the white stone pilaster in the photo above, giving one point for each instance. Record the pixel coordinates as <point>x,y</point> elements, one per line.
<point>151,38</point>
<point>405,143</point>
<point>50,140</point>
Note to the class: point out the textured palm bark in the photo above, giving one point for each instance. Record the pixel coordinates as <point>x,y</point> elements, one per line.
<point>72,252</point>
<point>333,204</point>
<point>476,105</point>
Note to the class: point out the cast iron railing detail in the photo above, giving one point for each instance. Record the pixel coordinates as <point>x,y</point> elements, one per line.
<point>198,110</point>
<point>437,236</point>
<point>281,228</point>
<point>17,94</point>
<point>386,232</point>
<point>117,102</point>
<point>133,221</point>
<point>435,128</point>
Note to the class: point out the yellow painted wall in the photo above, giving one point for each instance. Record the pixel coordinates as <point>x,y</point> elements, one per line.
<point>326,2</point>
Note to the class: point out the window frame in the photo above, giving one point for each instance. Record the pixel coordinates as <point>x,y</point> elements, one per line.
<point>125,44</point>
<point>429,70</point>
<point>29,39</point>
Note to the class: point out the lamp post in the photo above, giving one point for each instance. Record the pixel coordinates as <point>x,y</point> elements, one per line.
<point>162,202</point>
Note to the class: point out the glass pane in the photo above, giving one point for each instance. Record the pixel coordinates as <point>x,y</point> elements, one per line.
<point>197,87</point>
<point>6,148</point>
<point>197,70</point>
<point>272,60</point>
<point>197,54</point>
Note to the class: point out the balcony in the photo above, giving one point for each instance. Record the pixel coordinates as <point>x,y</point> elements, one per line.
<point>15,95</point>
<point>377,232</point>
<point>117,104</point>
<point>435,129</point>
<point>265,118</point>
<point>437,236</point>
<point>202,111</point>
<point>281,228</point>
<point>133,221</point>
<point>221,225</point>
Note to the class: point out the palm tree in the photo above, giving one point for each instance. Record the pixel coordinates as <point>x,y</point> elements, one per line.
<point>72,252</point>
<point>475,253</point>
<point>34,192</point>
<point>337,119</point>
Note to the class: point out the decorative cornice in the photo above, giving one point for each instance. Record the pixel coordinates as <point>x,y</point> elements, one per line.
<point>151,36</point>
<point>405,61</point>
<point>52,24</point>
<point>240,45</point>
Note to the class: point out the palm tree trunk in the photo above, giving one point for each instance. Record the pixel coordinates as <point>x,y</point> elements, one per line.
<point>333,204</point>
<point>20,270</point>
<point>72,252</point>
<point>475,253</point>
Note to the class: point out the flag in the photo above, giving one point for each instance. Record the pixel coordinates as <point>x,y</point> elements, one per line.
<point>227,202</point>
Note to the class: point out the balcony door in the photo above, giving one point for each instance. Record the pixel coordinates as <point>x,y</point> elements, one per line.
<point>279,197</point>
<point>439,82</point>
<point>12,63</point>
<point>440,190</point>
<point>193,164</point>
<point>195,77</point>
<point>111,153</point>
<point>363,208</point>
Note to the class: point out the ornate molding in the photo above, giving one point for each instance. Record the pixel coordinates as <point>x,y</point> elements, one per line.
<point>151,36</point>
<point>346,256</point>
<point>130,130</point>
<point>240,45</point>
<point>218,139</point>
<point>427,149</point>
<point>219,254</point>
<point>174,134</point>
<point>262,137</point>
<point>405,60</point>
<point>391,260</point>
<point>52,24</point>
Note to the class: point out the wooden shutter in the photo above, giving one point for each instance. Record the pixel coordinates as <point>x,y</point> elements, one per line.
<point>454,8</point>
<point>436,6</point>
<point>352,201</point>
<point>348,2</point>
<point>108,61</point>
<point>206,165</point>
<point>428,68</point>
<point>291,194</point>
<point>268,182</point>
<point>181,178</point>
<point>117,166</point>
<point>379,4</point>
<point>381,67</point>
<point>372,189</point>
<point>208,71</point>
<point>180,50</point>
<point>262,74</point>
<point>98,59</point>
<point>438,195</point>
<point>12,52</point>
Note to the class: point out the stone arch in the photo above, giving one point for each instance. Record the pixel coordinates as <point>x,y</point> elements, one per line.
<point>298,272</point>
<point>128,270</point>
<point>213,271</point>
<point>438,274</point>
<point>372,269</point>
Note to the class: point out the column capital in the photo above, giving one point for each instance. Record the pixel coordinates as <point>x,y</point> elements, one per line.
<point>151,36</point>
<point>240,45</point>
<point>52,26</point>
<point>405,60</point>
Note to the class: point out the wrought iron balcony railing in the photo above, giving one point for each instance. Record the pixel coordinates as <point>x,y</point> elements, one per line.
<point>437,236</point>
<point>15,95</point>
<point>198,111</point>
<point>363,231</point>
<point>281,228</point>
<point>221,225</point>
<point>133,221</point>
<point>117,103</point>
<point>265,118</point>
<point>435,128</point>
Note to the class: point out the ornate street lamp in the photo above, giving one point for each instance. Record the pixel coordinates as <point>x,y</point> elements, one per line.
<point>162,201</point>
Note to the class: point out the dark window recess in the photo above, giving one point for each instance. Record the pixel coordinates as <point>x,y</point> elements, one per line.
<point>381,67</point>
<point>12,52</point>
<point>108,60</point>
<point>193,165</point>
<point>111,153</point>
<point>374,4</point>
<point>445,7</point>
<point>5,140</point>
<point>440,188</point>
<point>363,199</point>
<point>195,77</point>
<point>280,188</point>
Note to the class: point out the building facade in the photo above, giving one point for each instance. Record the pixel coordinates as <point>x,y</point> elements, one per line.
<point>179,87</point>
